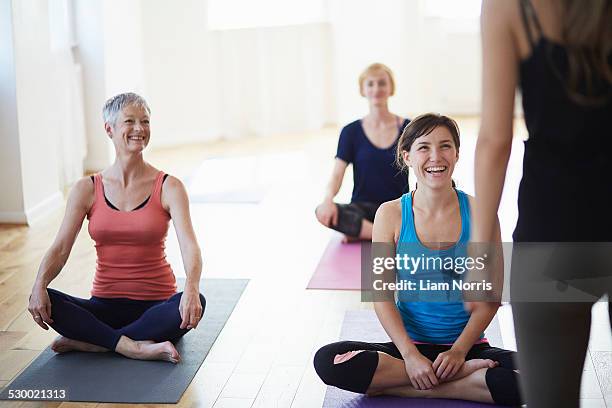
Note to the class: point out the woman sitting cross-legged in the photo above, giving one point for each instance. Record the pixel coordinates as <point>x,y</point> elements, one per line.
<point>134,309</point>
<point>370,145</point>
<point>438,349</point>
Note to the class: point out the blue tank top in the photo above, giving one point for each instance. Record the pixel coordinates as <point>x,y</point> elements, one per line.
<point>430,312</point>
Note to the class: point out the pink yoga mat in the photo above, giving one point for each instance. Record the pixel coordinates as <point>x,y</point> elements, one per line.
<point>339,267</point>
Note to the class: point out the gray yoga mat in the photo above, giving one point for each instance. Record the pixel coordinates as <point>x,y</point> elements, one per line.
<point>363,325</point>
<point>109,377</point>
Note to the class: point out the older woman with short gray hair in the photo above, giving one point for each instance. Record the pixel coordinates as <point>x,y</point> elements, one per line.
<point>134,308</point>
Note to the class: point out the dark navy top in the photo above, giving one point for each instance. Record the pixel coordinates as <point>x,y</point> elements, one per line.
<point>565,193</point>
<point>376,179</point>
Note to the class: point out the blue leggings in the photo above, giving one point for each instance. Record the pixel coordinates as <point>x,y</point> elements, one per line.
<point>102,321</point>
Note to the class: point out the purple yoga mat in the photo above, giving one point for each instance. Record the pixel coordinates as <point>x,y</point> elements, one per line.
<point>363,325</point>
<point>339,267</point>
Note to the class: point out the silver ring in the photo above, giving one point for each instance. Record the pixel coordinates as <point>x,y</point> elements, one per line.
<point>36,317</point>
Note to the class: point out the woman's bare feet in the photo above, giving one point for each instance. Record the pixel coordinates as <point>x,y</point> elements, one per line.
<point>64,344</point>
<point>471,388</point>
<point>147,350</point>
<point>347,239</point>
<point>470,366</point>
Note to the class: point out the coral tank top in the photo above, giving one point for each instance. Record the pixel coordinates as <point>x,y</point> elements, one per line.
<point>130,246</point>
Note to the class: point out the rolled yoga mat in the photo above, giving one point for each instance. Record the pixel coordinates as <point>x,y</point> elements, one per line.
<point>339,267</point>
<point>110,377</point>
<point>363,325</point>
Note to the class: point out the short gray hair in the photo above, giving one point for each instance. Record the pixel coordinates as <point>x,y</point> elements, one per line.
<point>114,105</point>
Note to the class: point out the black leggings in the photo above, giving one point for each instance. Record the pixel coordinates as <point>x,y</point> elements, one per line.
<point>356,373</point>
<point>350,217</point>
<point>103,321</point>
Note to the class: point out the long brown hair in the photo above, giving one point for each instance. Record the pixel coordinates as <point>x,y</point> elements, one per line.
<point>586,30</point>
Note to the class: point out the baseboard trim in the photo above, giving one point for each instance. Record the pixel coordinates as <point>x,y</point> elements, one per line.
<point>13,217</point>
<point>44,208</point>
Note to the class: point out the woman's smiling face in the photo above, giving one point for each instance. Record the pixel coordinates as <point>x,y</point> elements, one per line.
<point>131,131</point>
<point>432,158</point>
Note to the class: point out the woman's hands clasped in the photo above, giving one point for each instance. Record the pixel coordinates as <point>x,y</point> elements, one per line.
<point>448,364</point>
<point>420,371</point>
<point>425,375</point>
<point>190,308</point>
<point>40,307</point>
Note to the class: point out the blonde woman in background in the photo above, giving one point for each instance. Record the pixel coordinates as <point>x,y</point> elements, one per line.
<point>369,144</point>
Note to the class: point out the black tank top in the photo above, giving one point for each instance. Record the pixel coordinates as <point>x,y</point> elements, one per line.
<point>565,193</point>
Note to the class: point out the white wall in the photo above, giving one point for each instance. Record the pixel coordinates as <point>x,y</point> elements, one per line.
<point>178,79</point>
<point>206,84</point>
<point>89,54</point>
<point>11,199</point>
<point>122,47</point>
<point>453,64</point>
<point>365,32</point>
<point>52,94</point>
<point>33,133</point>
<point>436,61</point>
<point>67,108</point>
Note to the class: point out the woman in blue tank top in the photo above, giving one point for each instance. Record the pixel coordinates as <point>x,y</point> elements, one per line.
<point>438,349</point>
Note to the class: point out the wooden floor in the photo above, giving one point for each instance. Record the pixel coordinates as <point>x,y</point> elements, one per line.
<point>263,357</point>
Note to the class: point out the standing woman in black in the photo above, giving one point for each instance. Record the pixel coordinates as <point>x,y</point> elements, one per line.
<point>559,53</point>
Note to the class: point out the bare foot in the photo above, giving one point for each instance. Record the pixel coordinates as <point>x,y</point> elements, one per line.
<point>64,344</point>
<point>470,366</point>
<point>160,351</point>
<point>147,350</point>
<point>347,240</point>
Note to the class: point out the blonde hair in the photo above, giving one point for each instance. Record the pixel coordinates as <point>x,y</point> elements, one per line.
<point>376,67</point>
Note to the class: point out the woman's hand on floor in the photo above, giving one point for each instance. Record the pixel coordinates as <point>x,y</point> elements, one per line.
<point>420,372</point>
<point>40,307</point>
<point>448,363</point>
<point>190,309</point>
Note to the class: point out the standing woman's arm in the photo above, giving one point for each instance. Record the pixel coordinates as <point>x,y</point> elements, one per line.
<point>500,62</point>
<point>77,206</point>
<point>176,201</point>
